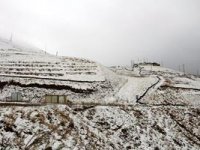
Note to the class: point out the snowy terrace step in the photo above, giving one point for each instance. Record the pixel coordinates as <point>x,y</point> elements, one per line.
<point>31,73</point>
<point>78,78</point>
<point>29,66</point>
<point>46,70</point>
<point>24,104</point>
<point>47,64</point>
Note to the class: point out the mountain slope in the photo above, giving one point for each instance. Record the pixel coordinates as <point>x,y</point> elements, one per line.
<point>150,107</point>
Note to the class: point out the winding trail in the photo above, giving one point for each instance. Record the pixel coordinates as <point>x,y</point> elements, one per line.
<point>136,86</point>
<point>138,99</point>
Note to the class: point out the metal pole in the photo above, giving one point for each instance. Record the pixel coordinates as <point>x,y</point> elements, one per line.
<point>184,68</point>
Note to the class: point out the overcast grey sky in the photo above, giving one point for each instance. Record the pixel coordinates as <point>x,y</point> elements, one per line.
<point>111,32</point>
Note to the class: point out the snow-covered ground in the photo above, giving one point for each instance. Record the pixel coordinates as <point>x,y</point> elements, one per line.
<point>135,86</point>
<point>149,107</point>
<point>102,127</point>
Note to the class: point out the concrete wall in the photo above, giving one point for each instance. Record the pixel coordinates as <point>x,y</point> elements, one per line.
<point>16,96</point>
<point>61,99</point>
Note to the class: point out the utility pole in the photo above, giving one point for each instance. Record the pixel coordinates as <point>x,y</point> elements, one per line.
<point>11,38</point>
<point>184,68</point>
<point>132,65</point>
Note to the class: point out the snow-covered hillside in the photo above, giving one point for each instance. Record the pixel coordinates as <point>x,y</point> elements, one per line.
<point>31,71</point>
<point>118,108</point>
<point>16,61</point>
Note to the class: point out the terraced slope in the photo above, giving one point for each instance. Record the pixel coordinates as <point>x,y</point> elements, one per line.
<point>29,69</point>
<point>39,64</point>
